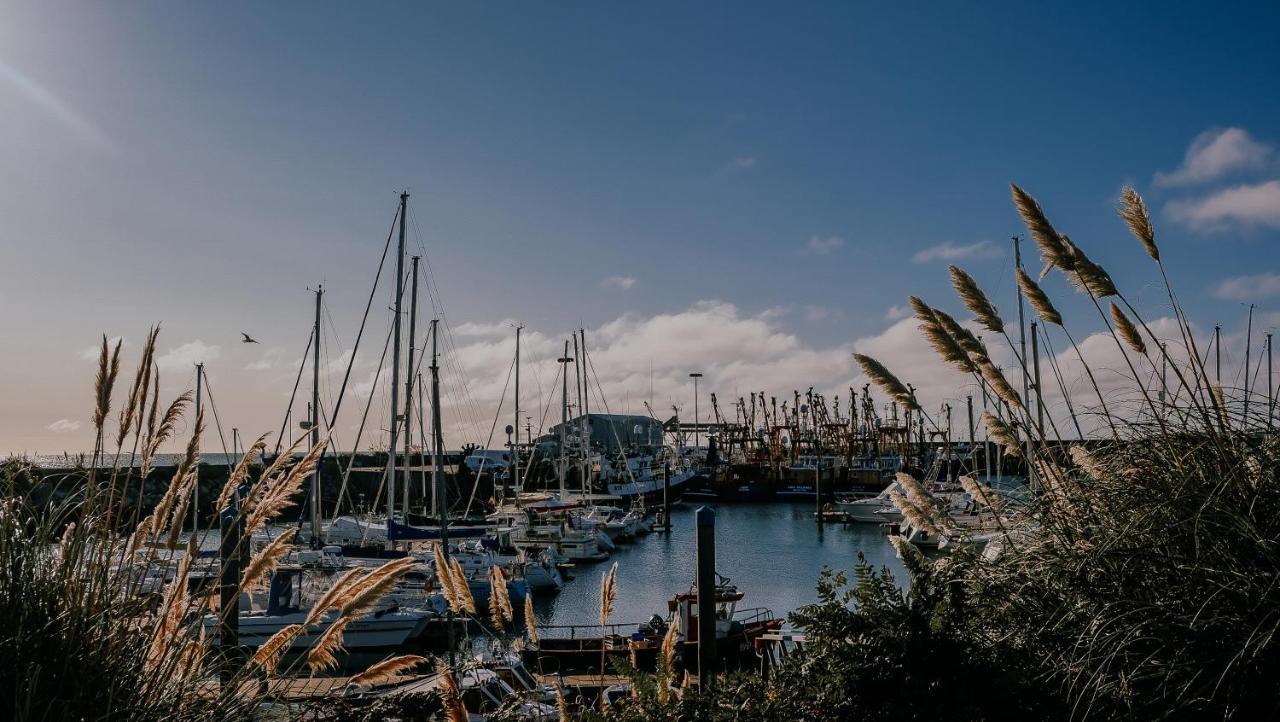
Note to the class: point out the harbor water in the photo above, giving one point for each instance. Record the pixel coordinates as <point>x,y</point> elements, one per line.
<point>774,553</point>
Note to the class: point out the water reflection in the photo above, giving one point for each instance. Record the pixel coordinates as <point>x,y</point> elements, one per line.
<point>773,552</point>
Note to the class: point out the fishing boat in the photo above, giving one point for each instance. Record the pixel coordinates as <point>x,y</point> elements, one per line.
<point>583,648</point>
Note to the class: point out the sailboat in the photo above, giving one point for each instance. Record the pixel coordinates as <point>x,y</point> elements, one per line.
<point>391,533</point>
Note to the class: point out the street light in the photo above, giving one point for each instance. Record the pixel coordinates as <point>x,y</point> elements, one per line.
<point>696,436</point>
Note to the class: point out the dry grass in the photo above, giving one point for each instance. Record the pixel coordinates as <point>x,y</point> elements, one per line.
<point>975,300</point>
<point>530,620</point>
<point>387,670</point>
<point>887,382</point>
<point>82,636</point>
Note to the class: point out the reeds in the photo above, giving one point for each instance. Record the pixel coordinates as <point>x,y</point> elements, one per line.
<point>667,664</point>
<point>608,593</point>
<point>108,369</point>
<point>975,300</point>
<point>386,670</point>
<point>241,472</point>
<point>980,494</point>
<point>1038,299</point>
<point>80,639</point>
<point>265,561</point>
<point>451,696</point>
<point>444,575</point>
<point>888,383</point>
<point>466,601</point>
<point>946,345</point>
<point>499,598</point>
<point>323,654</point>
<point>366,592</point>
<point>1053,249</point>
<point>1128,332</point>
<point>1002,433</point>
<point>530,620</point>
<point>1134,212</point>
<point>272,651</point>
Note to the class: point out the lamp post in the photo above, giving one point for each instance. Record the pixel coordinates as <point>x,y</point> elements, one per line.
<point>696,436</point>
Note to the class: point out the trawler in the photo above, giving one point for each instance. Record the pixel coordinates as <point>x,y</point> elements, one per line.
<point>582,648</point>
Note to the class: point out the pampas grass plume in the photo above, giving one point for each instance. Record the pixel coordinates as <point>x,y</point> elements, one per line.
<point>386,670</point>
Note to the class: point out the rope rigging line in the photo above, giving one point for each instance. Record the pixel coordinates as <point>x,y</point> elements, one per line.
<point>346,476</point>
<point>337,404</point>
<point>471,413</point>
<point>208,389</point>
<point>492,429</point>
<point>294,394</point>
<point>1057,373</point>
<point>605,402</point>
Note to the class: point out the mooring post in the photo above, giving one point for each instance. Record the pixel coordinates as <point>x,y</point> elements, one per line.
<point>706,521</point>
<point>231,525</point>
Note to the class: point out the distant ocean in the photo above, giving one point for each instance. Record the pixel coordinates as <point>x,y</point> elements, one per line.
<point>64,461</point>
<point>67,461</point>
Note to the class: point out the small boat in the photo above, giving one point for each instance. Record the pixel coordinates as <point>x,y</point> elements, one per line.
<point>877,509</point>
<point>582,648</point>
<point>484,693</point>
<point>389,628</point>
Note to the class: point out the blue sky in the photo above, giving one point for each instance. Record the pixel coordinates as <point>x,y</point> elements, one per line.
<point>204,164</point>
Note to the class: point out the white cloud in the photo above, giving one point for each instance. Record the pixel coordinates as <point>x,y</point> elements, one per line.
<point>91,353</point>
<point>271,358</point>
<point>1215,153</point>
<point>897,313</point>
<point>63,426</point>
<point>820,246</point>
<point>739,352</point>
<point>1248,288</point>
<point>1242,205</point>
<point>949,251</point>
<point>623,282</point>
<point>817,313</point>
<point>501,328</point>
<point>742,163</point>
<point>184,357</point>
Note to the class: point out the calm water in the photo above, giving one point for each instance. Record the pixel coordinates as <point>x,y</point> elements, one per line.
<point>773,552</point>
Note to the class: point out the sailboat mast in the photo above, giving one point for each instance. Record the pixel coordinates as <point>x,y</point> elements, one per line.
<point>582,419</point>
<point>438,442</point>
<point>195,488</point>
<point>408,387</point>
<point>515,455</point>
<point>395,368</point>
<point>564,414</point>
<point>315,423</point>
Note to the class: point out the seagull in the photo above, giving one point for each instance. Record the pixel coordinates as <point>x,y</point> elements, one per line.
<point>247,339</point>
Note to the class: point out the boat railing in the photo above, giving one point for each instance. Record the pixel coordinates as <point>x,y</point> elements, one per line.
<point>586,631</point>
<point>753,615</point>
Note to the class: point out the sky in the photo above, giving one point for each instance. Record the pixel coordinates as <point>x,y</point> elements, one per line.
<point>746,190</point>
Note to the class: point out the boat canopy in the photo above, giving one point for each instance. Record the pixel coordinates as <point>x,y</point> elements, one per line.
<point>403,532</point>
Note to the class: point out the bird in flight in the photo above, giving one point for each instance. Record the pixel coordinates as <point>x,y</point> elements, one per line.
<point>247,338</point>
